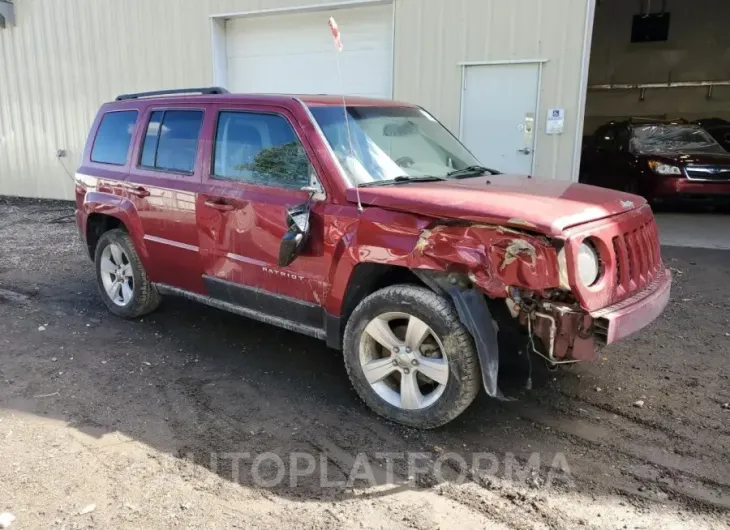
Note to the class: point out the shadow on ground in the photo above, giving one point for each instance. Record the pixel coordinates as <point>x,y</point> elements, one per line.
<point>202,385</point>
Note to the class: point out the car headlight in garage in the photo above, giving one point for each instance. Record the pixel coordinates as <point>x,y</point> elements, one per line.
<point>588,263</point>
<point>660,168</point>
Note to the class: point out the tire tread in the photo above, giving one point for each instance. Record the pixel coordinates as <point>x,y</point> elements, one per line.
<point>459,344</point>
<point>146,297</point>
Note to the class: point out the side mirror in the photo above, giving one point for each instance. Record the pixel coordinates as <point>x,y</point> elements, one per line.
<point>296,236</point>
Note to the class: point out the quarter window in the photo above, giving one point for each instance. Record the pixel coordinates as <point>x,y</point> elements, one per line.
<point>259,149</point>
<point>171,142</point>
<point>113,138</point>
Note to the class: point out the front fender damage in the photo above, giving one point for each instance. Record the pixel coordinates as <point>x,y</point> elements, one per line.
<point>494,257</point>
<point>467,262</point>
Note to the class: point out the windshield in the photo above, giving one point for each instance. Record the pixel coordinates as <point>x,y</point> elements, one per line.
<point>389,143</point>
<point>673,139</point>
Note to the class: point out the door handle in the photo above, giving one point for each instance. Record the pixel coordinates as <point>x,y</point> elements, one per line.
<point>140,192</point>
<point>220,206</point>
<point>525,151</point>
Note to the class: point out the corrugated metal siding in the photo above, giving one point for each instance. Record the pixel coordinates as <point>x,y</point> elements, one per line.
<point>64,57</point>
<point>434,36</point>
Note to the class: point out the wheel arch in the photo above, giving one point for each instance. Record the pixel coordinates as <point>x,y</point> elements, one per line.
<point>365,279</point>
<point>369,277</point>
<point>96,225</point>
<point>104,213</point>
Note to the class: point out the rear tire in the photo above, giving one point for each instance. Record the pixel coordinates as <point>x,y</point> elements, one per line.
<point>120,275</point>
<point>428,374</point>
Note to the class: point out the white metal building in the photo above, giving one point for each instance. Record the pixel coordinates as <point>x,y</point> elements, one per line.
<point>491,70</point>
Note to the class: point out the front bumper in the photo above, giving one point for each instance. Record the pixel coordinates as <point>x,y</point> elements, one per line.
<point>624,318</point>
<point>683,190</point>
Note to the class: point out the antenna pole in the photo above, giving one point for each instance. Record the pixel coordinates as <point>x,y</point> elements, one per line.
<point>338,48</point>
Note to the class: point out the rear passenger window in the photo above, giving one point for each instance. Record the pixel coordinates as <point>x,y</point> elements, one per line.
<point>260,149</point>
<point>113,138</point>
<point>171,142</point>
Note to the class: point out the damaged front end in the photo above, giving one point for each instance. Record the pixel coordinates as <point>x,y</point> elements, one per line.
<point>479,266</point>
<point>564,329</point>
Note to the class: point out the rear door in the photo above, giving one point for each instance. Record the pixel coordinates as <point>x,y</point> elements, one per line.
<point>260,163</point>
<point>165,177</point>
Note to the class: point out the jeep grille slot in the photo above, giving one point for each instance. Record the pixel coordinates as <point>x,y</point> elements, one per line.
<point>643,256</point>
<point>631,258</point>
<point>617,253</point>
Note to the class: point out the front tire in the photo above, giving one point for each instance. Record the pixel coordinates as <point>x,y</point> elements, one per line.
<point>122,280</point>
<point>410,358</point>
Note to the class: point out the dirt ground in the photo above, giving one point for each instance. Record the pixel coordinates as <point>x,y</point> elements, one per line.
<point>107,423</point>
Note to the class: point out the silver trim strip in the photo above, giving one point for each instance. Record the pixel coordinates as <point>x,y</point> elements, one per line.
<point>244,259</point>
<point>171,243</point>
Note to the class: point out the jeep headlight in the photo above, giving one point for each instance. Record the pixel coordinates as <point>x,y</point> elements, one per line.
<point>661,168</point>
<point>588,264</point>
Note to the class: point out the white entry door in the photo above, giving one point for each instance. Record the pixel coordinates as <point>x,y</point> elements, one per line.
<point>499,108</point>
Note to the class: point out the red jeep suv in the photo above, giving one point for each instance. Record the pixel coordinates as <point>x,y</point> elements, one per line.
<point>369,226</point>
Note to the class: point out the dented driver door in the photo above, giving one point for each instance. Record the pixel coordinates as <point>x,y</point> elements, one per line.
<point>259,169</point>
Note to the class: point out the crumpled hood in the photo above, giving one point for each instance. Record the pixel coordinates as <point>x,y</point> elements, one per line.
<point>543,205</point>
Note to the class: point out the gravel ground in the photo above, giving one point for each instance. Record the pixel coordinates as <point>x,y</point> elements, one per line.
<point>109,423</point>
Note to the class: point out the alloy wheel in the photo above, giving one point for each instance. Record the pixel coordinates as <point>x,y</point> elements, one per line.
<point>404,360</point>
<point>116,275</point>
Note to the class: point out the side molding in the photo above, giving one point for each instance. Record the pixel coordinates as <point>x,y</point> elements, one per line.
<point>298,327</point>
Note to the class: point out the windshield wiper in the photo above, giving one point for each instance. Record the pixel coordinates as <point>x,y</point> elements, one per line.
<point>400,180</point>
<point>471,171</point>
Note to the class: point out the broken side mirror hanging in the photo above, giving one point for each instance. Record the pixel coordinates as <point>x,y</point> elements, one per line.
<point>296,236</point>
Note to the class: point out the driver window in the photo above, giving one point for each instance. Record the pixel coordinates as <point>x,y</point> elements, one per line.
<point>259,149</point>
<point>171,142</point>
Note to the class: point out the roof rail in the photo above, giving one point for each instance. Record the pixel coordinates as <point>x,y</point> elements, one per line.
<point>204,91</point>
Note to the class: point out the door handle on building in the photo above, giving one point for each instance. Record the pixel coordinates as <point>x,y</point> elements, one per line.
<point>528,133</point>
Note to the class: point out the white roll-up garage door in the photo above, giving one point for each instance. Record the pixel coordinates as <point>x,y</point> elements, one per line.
<point>294,53</point>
